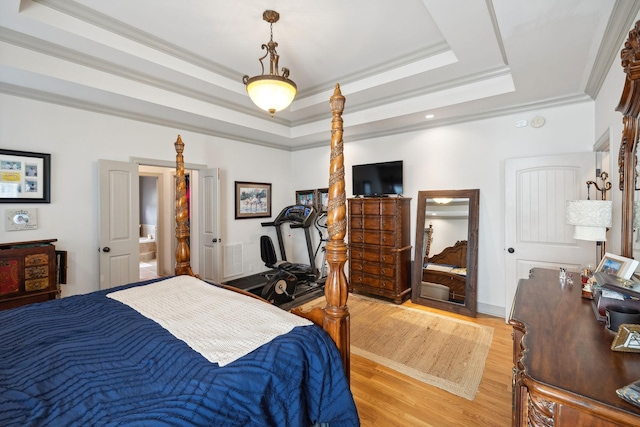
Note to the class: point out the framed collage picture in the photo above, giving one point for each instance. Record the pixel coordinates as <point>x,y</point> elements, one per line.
<point>24,177</point>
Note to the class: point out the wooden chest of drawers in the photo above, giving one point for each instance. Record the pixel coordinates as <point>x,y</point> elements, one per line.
<point>27,273</point>
<point>379,247</point>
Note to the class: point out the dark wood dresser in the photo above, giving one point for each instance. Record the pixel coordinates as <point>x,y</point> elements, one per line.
<point>565,373</point>
<point>380,247</point>
<point>27,273</point>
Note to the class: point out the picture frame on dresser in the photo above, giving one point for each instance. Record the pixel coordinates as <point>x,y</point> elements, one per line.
<point>617,265</point>
<point>25,177</point>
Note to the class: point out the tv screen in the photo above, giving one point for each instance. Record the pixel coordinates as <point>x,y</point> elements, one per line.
<point>377,179</point>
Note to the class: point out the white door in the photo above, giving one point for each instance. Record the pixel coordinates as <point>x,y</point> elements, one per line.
<point>536,191</point>
<point>210,225</point>
<point>118,219</point>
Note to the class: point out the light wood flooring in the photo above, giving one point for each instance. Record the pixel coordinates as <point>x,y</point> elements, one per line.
<point>387,398</point>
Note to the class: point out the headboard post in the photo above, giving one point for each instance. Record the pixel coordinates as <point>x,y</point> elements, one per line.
<point>183,256</point>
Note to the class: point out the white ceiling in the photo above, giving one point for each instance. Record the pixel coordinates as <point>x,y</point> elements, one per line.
<point>180,63</point>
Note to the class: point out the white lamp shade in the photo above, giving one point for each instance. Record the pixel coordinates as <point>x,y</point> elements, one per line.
<point>590,218</point>
<point>271,93</point>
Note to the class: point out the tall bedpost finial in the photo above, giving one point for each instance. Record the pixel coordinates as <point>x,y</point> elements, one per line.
<point>334,317</point>
<point>183,255</point>
<point>336,285</point>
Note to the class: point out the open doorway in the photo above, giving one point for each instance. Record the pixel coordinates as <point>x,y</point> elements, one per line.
<point>148,225</point>
<point>151,221</point>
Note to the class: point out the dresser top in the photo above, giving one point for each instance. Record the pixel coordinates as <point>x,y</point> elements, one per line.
<point>564,346</point>
<point>29,243</point>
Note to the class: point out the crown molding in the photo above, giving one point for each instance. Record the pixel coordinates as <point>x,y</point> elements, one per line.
<point>620,22</point>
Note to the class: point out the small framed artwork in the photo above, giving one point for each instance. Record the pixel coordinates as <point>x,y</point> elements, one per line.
<point>253,200</point>
<point>323,199</point>
<point>20,219</point>
<point>617,265</point>
<point>306,197</point>
<point>627,339</point>
<point>24,177</point>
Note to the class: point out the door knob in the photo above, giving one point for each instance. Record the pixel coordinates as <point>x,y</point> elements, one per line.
<point>216,240</point>
<point>511,250</point>
<point>106,249</point>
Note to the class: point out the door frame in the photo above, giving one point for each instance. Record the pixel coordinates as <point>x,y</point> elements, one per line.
<point>194,200</point>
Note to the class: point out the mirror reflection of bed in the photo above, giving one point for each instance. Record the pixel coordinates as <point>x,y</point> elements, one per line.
<point>444,275</point>
<point>446,248</point>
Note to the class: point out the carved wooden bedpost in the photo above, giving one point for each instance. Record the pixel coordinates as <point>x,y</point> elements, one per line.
<point>629,106</point>
<point>183,256</point>
<point>334,317</point>
<point>336,287</point>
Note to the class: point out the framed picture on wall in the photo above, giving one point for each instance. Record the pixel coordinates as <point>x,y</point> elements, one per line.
<point>24,177</point>
<point>253,200</point>
<point>322,202</point>
<point>306,197</point>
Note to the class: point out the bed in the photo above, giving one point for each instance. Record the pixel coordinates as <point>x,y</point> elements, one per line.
<point>180,351</point>
<point>448,269</point>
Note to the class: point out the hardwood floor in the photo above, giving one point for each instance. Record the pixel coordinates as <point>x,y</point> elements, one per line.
<point>387,398</point>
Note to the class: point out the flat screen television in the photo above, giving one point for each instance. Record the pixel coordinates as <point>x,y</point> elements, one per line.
<point>377,179</point>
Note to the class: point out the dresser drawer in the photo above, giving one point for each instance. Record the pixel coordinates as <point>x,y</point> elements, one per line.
<point>388,223</point>
<point>371,207</point>
<point>389,207</point>
<point>355,207</point>
<point>382,238</point>
<point>365,267</point>
<point>364,222</point>
<point>387,270</point>
<point>364,254</point>
<point>374,282</point>
<point>387,257</point>
<point>356,223</point>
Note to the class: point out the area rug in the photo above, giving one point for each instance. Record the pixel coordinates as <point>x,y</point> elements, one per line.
<point>438,350</point>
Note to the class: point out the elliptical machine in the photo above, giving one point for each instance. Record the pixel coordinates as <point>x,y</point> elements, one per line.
<point>281,286</point>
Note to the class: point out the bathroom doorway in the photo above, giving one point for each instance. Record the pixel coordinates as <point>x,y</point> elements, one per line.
<point>151,221</point>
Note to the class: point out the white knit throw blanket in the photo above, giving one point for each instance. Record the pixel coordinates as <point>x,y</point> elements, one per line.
<point>219,324</point>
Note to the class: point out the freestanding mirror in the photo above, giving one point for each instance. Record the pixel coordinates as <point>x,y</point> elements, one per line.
<point>446,255</point>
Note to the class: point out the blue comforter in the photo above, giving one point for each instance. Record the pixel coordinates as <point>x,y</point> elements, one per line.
<point>91,361</point>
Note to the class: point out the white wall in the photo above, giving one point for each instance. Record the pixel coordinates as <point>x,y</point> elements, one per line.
<point>464,156</point>
<point>76,139</point>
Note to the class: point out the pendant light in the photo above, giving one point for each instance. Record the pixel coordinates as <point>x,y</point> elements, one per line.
<point>271,92</point>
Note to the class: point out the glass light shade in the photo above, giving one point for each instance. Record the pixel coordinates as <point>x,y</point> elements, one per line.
<point>442,200</point>
<point>271,93</point>
<point>590,218</point>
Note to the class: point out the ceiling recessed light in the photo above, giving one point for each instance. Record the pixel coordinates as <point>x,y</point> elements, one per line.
<point>429,116</point>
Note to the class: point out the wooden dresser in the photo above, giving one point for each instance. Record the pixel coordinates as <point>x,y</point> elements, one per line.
<point>380,247</point>
<point>27,273</point>
<point>565,373</point>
